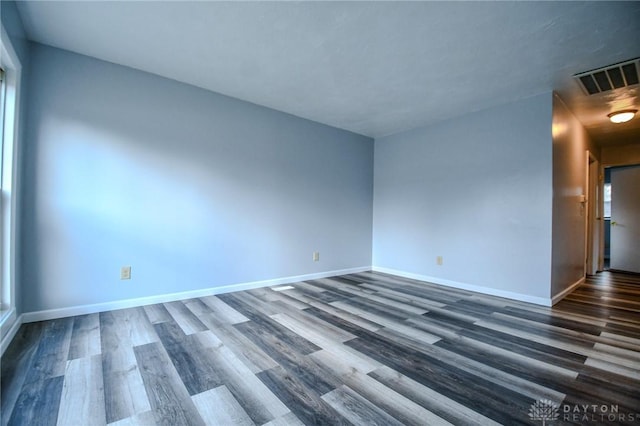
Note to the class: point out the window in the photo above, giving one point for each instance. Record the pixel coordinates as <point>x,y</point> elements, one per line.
<point>5,302</point>
<point>9,87</point>
<point>607,200</point>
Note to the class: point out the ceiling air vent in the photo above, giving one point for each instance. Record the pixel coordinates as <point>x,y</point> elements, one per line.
<point>610,77</point>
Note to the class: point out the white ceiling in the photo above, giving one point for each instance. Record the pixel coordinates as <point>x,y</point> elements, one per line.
<point>374,68</point>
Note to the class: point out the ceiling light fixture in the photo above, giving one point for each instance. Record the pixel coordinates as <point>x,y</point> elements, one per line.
<point>622,116</point>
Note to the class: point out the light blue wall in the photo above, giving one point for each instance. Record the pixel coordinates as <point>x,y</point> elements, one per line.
<point>476,190</point>
<point>192,189</point>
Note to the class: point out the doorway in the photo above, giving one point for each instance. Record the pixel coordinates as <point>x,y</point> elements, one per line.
<point>594,261</point>
<point>622,218</point>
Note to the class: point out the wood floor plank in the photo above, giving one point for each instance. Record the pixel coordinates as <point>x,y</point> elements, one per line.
<point>619,349</point>
<point>482,396</point>
<point>247,351</point>
<point>82,400</point>
<point>345,281</point>
<point>197,307</point>
<point>370,309</point>
<point>614,336</point>
<point>413,300</point>
<point>282,296</point>
<point>125,394</point>
<point>344,360</point>
<point>185,318</point>
<point>50,359</point>
<point>357,409</point>
<point>527,369</point>
<point>554,321</point>
<point>623,325</point>
<point>435,402</point>
<point>307,295</point>
<point>347,317</point>
<point>438,294</point>
<point>405,307</point>
<point>398,406</point>
<point>167,394</point>
<point>330,289</point>
<point>504,359</point>
<point>618,390</point>
<point>260,404</point>
<point>170,333</point>
<point>141,330</point>
<point>363,348</point>
<point>38,403</point>
<point>14,366</point>
<point>288,419</point>
<point>441,323</point>
<point>85,339</point>
<point>309,328</point>
<point>189,358</point>
<point>157,313</point>
<point>631,370</point>
<point>345,321</point>
<point>481,370</point>
<point>218,407</point>
<point>398,326</point>
<point>560,311</point>
<point>290,356</point>
<point>303,401</point>
<point>343,354</point>
<point>39,398</point>
<point>470,307</point>
<point>532,349</point>
<point>258,307</point>
<point>581,346</point>
<point>146,418</point>
<point>224,313</point>
<point>263,326</point>
<point>342,286</point>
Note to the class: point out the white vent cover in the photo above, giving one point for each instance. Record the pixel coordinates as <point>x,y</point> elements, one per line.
<point>610,77</point>
<point>282,288</point>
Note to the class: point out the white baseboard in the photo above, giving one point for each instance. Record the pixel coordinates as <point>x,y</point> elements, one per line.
<point>464,286</point>
<point>163,298</point>
<point>8,336</point>
<point>558,297</point>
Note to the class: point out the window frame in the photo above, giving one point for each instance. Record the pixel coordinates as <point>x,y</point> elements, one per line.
<point>10,129</point>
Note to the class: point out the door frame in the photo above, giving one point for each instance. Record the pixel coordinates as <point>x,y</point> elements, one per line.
<point>594,206</point>
<point>615,219</point>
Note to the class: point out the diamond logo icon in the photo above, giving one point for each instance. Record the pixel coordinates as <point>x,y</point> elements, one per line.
<point>544,410</point>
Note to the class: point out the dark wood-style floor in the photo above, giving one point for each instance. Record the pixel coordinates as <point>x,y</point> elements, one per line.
<point>365,348</point>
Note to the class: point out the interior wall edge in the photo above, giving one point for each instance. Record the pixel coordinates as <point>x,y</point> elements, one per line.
<point>7,337</point>
<point>164,298</point>
<point>571,142</point>
<point>564,293</point>
<point>470,287</point>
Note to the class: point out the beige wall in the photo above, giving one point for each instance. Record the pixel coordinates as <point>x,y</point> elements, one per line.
<point>621,155</point>
<point>570,145</point>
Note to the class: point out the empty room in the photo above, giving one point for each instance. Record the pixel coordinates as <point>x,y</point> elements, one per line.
<point>319,213</point>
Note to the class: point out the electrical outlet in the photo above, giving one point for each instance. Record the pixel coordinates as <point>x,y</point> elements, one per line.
<point>316,256</point>
<point>439,260</point>
<point>125,273</point>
